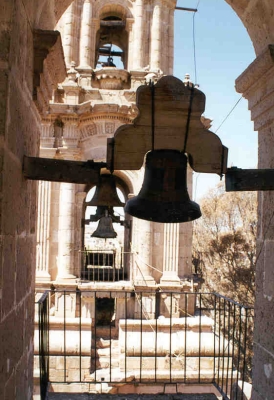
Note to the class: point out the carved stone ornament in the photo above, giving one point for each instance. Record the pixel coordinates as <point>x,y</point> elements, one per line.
<point>111,77</point>
<point>172,121</point>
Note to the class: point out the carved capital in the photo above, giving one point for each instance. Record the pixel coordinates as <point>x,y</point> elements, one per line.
<point>257,85</point>
<point>256,70</point>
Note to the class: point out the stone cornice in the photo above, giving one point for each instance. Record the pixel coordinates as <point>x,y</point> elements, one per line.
<point>256,70</point>
<point>96,111</point>
<point>48,46</point>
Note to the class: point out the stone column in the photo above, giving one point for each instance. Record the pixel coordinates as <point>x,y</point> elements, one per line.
<point>94,28</point>
<point>257,85</point>
<point>171,42</point>
<point>185,238</point>
<point>53,239</point>
<point>130,50</point>
<point>85,36</point>
<point>185,250</point>
<point>171,254</point>
<point>68,36</point>
<point>43,229</point>
<point>66,248</point>
<point>138,34</point>
<point>79,245</point>
<point>143,258</point>
<point>156,44</point>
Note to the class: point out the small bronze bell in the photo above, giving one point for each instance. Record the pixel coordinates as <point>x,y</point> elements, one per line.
<point>105,228</point>
<point>105,193</point>
<point>163,196</point>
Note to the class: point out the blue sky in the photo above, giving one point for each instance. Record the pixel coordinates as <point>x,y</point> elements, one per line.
<point>223,51</point>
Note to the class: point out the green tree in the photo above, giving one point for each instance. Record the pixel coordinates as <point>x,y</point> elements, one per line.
<point>224,244</point>
<point>224,254</point>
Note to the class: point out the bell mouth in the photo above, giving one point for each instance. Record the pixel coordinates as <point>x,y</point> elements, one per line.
<point>167,212</point>
<point>163,196</point>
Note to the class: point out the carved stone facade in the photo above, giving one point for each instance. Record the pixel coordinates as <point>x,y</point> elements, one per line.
<point>24,98</point>
<point>87,108</point>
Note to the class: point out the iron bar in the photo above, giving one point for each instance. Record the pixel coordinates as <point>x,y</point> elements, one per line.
<point>228,348</point>
<point>214,344</point>
<point>125,337</point>
<point>223,329</point>
<point>186,307</point>
<point>80,333</point>
<point>186,9</point>
<point>200,337</point>
<point>95,337</point>
<point>110,339</point>
<point>230,322</point>
<point>170,333</point>
<point>64,325</point>
<point>141,342</point>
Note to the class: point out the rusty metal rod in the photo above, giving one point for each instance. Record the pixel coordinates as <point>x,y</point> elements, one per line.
<point>186,9</point>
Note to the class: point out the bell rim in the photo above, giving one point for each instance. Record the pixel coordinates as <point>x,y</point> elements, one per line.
<point>163,212</point>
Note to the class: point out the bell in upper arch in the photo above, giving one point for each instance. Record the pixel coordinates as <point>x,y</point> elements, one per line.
<point>105,228</point>
<point>106,193</point>
<point>163,196</point>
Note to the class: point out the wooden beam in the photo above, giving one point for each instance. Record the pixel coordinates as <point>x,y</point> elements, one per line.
<point>47,169</point>
<point>237,179</point>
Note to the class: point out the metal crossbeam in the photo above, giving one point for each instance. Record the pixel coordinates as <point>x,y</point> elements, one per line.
<point>186,9</point>
<point>237,179</point>
<point>47,169</point>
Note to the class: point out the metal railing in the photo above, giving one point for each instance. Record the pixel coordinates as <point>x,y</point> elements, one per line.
<point>102,265</point>
<point>122,337</point>
<point>43,342</point>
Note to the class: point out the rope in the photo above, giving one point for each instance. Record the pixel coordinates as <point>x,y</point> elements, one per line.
<point>152,89</point>
<point>188,116</point>
<point>230,112</point>
<point>194,44</point>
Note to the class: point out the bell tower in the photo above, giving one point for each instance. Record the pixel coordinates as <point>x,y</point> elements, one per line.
<point>110,49</point>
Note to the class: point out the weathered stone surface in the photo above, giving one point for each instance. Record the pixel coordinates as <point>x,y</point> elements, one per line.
<point>70,396</point>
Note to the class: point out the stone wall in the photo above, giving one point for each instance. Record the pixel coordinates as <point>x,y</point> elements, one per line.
<point>19,129</point>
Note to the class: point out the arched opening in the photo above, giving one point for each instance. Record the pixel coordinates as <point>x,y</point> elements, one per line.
<point>112,42</point>
<point>106,258</point>
<point>259,26</point>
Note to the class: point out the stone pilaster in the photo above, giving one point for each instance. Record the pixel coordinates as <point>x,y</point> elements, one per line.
<point>171,42</point>
<point>257,85</point>
<point>66,231</point>
<point>138,34</point>
<point>130,54</point>
<point>171,254</point>
<point>79,232</point>
<point>43,231</point>
<point>143,258</point>
<point>94,28</point>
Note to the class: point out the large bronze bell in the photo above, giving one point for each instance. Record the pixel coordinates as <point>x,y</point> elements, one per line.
<point>106,193</point>
<point>105,228</point>
<point>163,196</point>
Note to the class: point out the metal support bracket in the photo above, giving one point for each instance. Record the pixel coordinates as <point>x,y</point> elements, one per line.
<point>48,169</point>
<point>239,180</point>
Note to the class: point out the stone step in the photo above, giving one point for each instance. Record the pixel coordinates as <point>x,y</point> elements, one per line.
<point>105,332</point>
<point>75,396</point>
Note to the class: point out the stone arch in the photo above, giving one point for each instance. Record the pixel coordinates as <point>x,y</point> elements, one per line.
<point>257,18</point>
<point>112,7</point>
